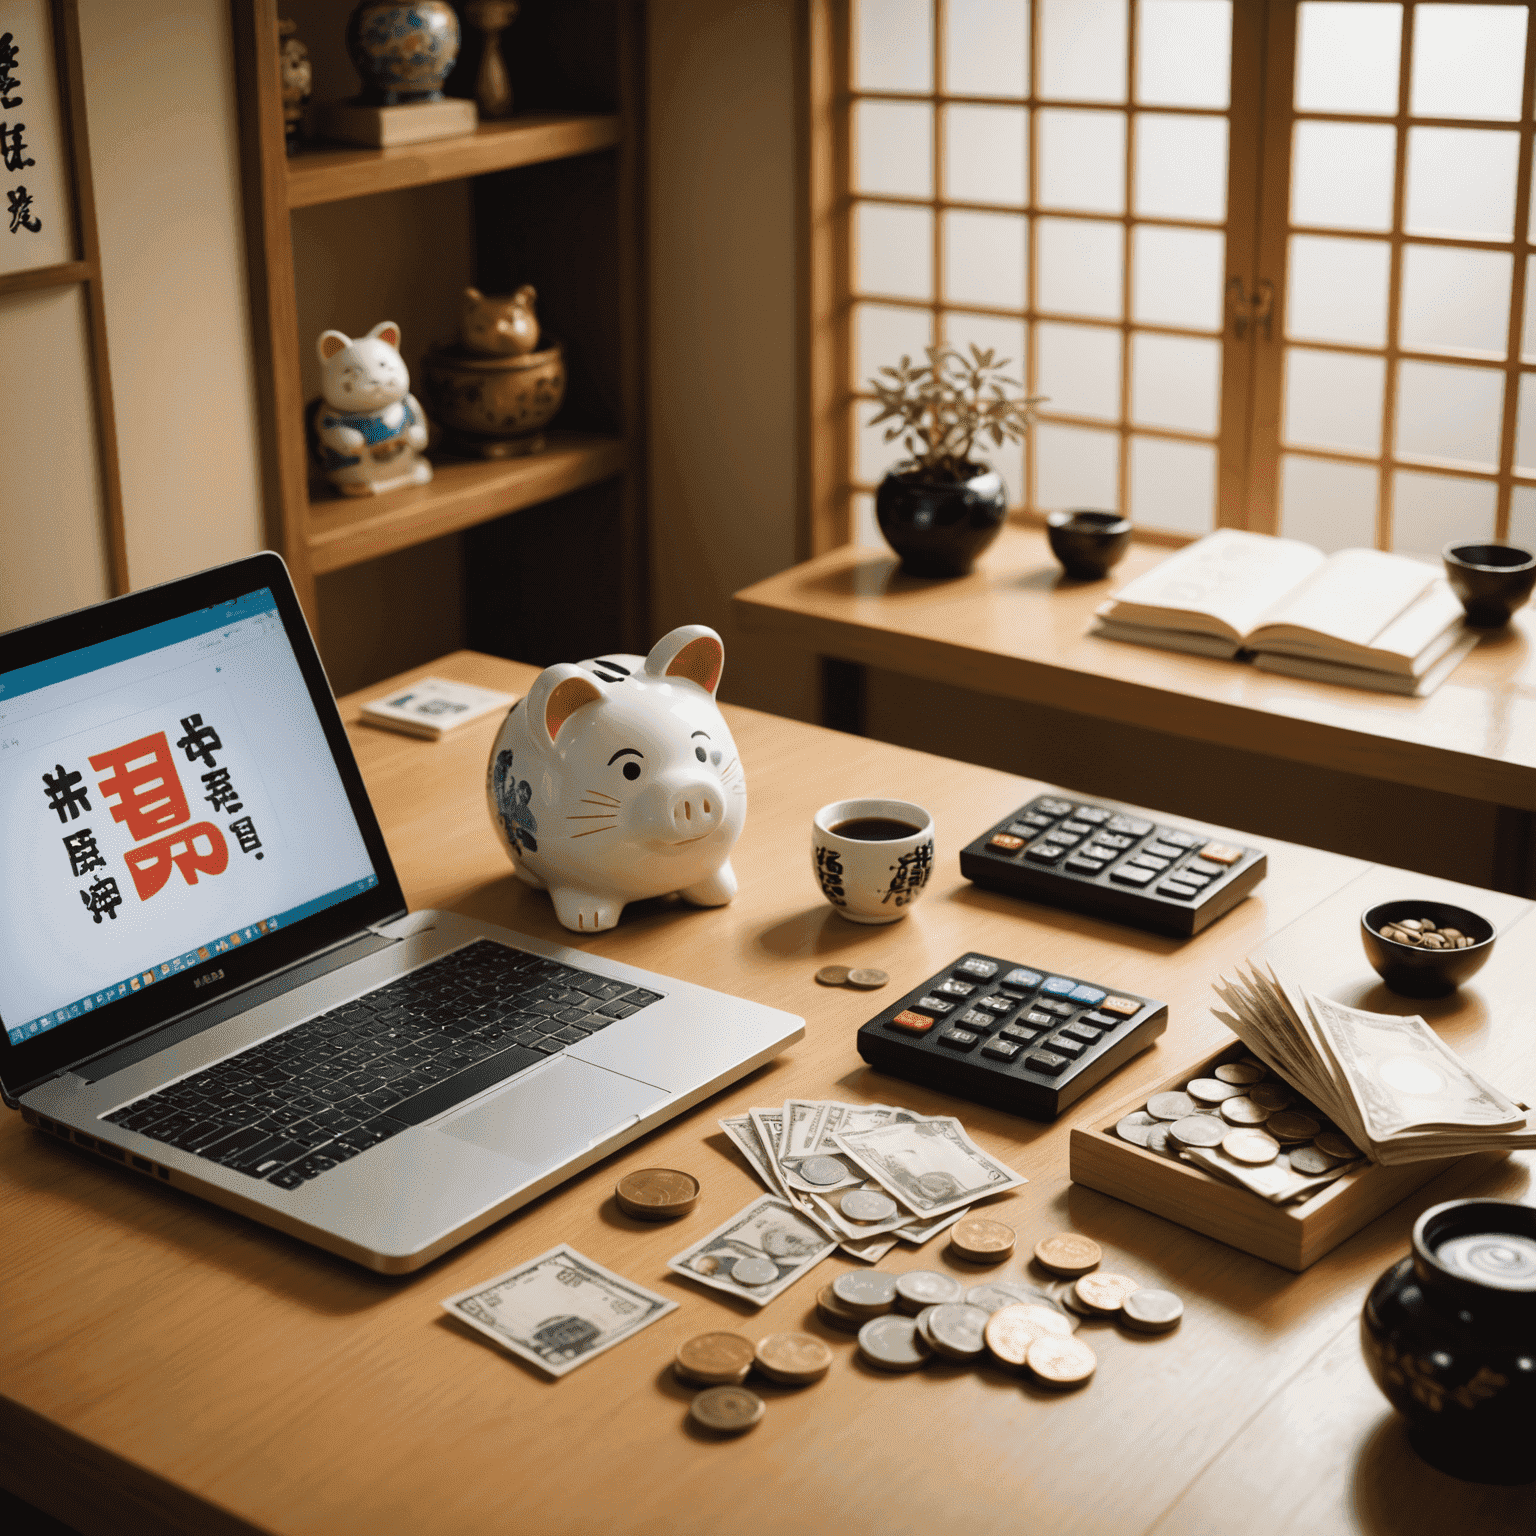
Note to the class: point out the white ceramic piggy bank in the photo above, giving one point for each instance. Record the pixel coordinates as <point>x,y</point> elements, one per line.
<point>617,779</point>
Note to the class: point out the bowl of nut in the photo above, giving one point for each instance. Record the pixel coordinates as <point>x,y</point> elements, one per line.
<point>1424,948</point>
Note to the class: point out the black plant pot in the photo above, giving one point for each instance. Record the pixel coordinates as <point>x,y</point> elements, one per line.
<point>938,527</point>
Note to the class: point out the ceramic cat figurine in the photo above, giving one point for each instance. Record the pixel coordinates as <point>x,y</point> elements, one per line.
<point>368,428</point>
<point>500,325</point>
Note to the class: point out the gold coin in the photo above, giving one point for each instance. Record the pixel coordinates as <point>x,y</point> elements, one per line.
<point>1243,1111</point>
<point>1336,1145</point>
<point>1105,1294</point>
<point>867,978</point>
<point>714,1359</point>
<point>1068,1253</point>
<point>793,1359</point>
<point>1239,1072</point>
<point>1061,1362</point>
<point>836,1313</point>
<point>1292,1125</point>
<point>728,1410</point>
<point>832,975</point>
<point>981,1241</point>
<point>1011,1330</point>
<point>657,1194</point>
<point>1251,1147</point>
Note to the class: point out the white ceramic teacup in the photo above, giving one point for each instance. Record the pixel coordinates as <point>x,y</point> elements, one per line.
<point>871,876</point>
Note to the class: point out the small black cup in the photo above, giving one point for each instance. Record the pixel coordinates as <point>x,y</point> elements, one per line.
<point>1413,972</point>
<point>1088,544</point>
<point>1492,580</point>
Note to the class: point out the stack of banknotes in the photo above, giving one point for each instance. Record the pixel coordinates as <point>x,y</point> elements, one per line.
<point>1390,1083</point>
<point>811,1154</point>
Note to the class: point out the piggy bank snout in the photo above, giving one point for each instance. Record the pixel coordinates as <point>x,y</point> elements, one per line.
<point>681,810</point>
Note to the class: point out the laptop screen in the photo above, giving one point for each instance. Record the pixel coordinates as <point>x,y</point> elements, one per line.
<point>172,809</point>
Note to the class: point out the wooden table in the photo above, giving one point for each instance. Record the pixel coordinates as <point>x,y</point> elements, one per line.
<point>172,1367</point>
<point>1017,628</point>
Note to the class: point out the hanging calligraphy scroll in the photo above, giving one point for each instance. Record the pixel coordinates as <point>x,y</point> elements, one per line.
<point>35,229</point>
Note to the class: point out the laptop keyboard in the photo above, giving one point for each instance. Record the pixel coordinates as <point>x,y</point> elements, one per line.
<point>295,1106</point>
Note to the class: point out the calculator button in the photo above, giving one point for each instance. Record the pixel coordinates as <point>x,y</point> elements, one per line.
<point>1177,838</point>
<point>1092,813</point>
<point>1086,994</point>
<point>986,969</point>
<point>1146,861</point>
<point>1044,853</point>
<point>1201,867</point>
<point>1078,827</point>
<point>1019,977</point>
<point>953,988</point>
<point>1041,1020</point>
<point>958,1039</point>
<point>1018,1032</point>
<point>1047,1062</point>
<point>1179,889</point>
<point>1128,874</point>
<point>1068,839</point>
<point>1221,853</point>
<point>1124,1005</point>
<point>1053,807</point>
<point>1163,850</point>
<point>997,1004</point>
<point>1060,1010</point>
<point>1103,1020</point>
<point>1099,849</point>
<point>1057,986</point>
<point>1081,866</point>
<point>1190,879</point>
<point>1035,819</point>
<point>936,1005</point>
<point>1084,1032</point>
<point>1001,1050</point>
<point>1005,841</point>
<point>1130,824</point>
<point>973,1018</point>
<point>1110,840</point>
<point>912,1023</point>
<point>1065,1046</point>
<point>1024,829</point>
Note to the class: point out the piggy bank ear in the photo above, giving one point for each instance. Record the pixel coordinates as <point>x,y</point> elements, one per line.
<point>693,651</point>
<point>555,696</point>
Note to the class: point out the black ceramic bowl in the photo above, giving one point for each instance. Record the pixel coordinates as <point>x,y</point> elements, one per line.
<point>1088,544</point>
<point>1492,580</point>
<point>1414,972</point>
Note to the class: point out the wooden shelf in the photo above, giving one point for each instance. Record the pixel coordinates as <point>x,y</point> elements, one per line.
<point>348,530</point>
<point>333,175</point>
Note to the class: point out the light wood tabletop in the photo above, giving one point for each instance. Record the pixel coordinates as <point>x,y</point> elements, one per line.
<point>169,1366</point>
<point>1017,627</point>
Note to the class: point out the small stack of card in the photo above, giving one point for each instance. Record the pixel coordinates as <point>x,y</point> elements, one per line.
<point>867,1176</point>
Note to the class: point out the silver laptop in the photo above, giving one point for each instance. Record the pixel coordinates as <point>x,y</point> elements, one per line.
<point>208,974</point>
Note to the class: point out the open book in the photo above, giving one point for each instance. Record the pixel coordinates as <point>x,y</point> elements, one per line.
<point>1360,617</point>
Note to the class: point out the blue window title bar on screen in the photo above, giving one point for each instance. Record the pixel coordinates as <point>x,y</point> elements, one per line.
<point>140,642</point>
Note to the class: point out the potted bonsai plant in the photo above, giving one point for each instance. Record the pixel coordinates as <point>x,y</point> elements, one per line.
<point>942,506</point>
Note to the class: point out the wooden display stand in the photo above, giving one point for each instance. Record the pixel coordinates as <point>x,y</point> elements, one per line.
<point>1484,1023</point>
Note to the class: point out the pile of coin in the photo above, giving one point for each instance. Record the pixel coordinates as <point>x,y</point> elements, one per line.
<point>1251,1115</point>
<point>864,977</point>
<point>657,1194</point>
<point>720,1362</point>
<point>1420,933</point>
<point>980,1241</point>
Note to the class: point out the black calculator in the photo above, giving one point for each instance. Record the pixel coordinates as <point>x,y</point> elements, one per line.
<point>1096,859</point>
<point>1017,1037</point>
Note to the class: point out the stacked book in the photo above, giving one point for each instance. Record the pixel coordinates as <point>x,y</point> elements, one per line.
<point>1390,1083</point>
<point>1361,617</point>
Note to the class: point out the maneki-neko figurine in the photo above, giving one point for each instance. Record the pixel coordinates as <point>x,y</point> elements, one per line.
<point>367,429</point>
<point>494,390</point>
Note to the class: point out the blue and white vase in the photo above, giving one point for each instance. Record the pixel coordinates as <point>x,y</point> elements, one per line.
<point>404,52</point>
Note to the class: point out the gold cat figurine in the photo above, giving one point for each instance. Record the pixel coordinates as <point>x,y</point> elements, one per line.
<point>500,325</point>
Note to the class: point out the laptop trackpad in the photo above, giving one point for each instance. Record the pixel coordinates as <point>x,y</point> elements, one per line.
<point>556,1114</point>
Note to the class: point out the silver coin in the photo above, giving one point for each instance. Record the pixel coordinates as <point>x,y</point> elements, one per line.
<point>893,1343</point>
<point>1157,1141</point>
<point>866,1290</point>
<point>956,1330</point>
<point>922,1325</point>
<point>920,1288</point>
<point>1336,1145</point>
<point>997,1294</point>
<point>1198,1131</point>
<point>1134,1127</point>
<point>1210,1090</point>
<point>1250,1147</point>
<point>753,1271</point>
<point>1152,1311</point>
<point>1310,1160</point>
<point>1239,1072</point>
<point>1170,1106</point>
<point>866,1205</point>
<point>1243,1111</point>
<point>1271,1096</point>
<point>822,1170</point>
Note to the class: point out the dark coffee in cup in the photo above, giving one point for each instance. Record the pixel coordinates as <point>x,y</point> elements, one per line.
<point>875,829</point>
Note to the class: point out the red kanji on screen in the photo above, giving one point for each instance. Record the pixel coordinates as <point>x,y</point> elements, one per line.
<point>150,865</point>
<point>143,778</point>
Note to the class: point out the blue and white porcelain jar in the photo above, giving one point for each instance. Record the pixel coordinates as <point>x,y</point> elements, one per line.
<point>404,52</point>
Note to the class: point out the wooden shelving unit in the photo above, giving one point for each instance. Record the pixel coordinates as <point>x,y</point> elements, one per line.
<point>319,533</point>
